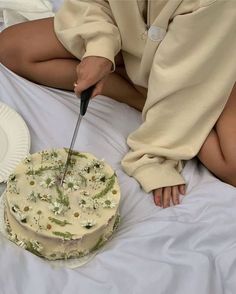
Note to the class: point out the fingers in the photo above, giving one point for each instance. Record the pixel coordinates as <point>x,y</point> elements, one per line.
<point>98,90</point>
<point>163,196</point>
<point>182,189</point>
<point>166,197</point>
<point>175,194</point>
<point>157,195</point>
<point>92,70</point>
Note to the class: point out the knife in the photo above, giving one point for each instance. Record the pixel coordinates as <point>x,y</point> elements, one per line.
<point>84,101</point>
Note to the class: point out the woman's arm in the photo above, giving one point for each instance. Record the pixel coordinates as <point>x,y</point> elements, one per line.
<point>87,28</point>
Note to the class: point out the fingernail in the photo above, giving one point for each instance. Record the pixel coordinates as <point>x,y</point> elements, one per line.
<point>158,203</point>
<point>182,190</point>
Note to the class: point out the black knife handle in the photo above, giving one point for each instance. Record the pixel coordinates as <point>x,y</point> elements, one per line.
<point>84,99</point>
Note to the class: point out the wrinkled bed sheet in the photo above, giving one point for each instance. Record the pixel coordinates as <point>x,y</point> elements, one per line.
<point>189,248</point>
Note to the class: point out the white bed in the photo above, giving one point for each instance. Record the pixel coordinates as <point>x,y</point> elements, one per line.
<point>184,249</point>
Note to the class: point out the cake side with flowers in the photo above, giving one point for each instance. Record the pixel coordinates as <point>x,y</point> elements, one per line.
<point>61,221</point>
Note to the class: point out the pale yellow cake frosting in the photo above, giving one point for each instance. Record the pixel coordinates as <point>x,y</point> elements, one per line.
<point>61,221</point>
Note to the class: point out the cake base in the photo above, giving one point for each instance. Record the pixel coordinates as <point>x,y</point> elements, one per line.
<point>59,263</point>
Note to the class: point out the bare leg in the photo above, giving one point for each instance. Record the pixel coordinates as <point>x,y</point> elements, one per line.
<point>33,51</point>
<point>218,152</point>
<point>122,90</point>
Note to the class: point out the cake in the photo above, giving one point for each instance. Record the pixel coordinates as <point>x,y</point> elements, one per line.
<point>61,220</point>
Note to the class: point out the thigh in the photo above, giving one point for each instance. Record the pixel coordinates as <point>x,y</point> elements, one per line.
<point>226,128</point>
<point>34,40</point>
<point>121,70</point>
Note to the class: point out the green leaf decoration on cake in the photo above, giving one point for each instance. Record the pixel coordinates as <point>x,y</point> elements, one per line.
<point>65,236</point>
<point>117,222</point>
<point>34,247</point>
<point>63,199</point>
<point>54,154</point>
<point>59,222</point>
<point>75,153</point>
<point>83,180</point>
<point>108,187</point>
<point>53,255</point>
<point>39,171</point>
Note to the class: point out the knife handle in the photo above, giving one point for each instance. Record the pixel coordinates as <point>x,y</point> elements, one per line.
<point>84,99</point>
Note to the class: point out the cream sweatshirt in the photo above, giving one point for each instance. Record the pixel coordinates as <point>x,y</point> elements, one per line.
<point>183,52</point>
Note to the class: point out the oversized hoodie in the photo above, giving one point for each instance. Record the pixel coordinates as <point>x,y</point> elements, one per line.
<point>183,51</point>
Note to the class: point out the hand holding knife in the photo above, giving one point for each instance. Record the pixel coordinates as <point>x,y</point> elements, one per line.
<point>84,101</point>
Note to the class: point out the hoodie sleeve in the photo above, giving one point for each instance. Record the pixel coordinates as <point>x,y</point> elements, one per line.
<point>87,28</point>
<point>191,78</point>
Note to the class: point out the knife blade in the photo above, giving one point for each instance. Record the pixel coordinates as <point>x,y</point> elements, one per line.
<point>84,101</point>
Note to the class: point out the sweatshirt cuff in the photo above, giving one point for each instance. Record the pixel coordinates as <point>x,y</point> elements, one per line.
<point>159,175</point>
<point>103,47</point>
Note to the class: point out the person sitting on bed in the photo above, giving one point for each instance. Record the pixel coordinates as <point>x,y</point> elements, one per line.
<point>172,60</point>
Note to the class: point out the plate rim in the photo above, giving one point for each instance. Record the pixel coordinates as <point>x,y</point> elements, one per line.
<point>5,174</point>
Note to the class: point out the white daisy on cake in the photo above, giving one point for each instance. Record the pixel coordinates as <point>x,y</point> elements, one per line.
<point>55,156</point>
<point>71,184</point>
<point>58,208</point>
<point>32,196</point>
<point>45,197</point>
<point>86,202</point>
<point>36,245</point>
<point>47,181</point>
<point>108,202</point>
<point>84,192</point>
<point>89,223</point>
<point>21,243</point>
<point>28,159</point>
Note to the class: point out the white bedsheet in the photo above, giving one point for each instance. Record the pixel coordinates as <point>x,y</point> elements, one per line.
<point>16,11</point>
<point>189,248</point>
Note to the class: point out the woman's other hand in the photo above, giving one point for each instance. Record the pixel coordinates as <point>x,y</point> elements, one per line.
<point>163,196</point>
<point>90,71</point>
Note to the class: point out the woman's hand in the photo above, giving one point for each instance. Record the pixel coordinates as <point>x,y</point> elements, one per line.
<point>162,196</point>
<point>90,71</point>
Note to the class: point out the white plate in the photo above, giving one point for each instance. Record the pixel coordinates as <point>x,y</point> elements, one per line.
<point>14,140</point>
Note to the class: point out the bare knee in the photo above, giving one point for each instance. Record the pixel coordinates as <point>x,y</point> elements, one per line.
<point>11,50</point>
<point>229,173</point>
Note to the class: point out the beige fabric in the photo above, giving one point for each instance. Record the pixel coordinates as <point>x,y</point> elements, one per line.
<point>189,72</point>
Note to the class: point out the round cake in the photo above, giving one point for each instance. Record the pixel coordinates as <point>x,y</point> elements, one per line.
<point>61,220</point>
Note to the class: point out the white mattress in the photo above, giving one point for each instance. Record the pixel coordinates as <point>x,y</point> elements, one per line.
<point>189,248</point>
<point>184,249</point>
